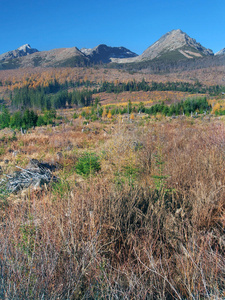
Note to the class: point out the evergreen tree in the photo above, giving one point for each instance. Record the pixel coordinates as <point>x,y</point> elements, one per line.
<point>4,117</point>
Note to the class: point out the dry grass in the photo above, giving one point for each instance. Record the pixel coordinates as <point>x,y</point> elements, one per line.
<point>149,225</point>
<point>145,97</point>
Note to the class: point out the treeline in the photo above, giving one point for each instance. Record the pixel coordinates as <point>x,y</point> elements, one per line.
<point>187,107</point>
<point>26,119</point>
<point>56,95</point>
<point>131,86</point>
<point>190,106</point>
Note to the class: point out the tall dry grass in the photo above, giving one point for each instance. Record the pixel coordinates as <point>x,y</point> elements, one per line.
<point>150,225</point>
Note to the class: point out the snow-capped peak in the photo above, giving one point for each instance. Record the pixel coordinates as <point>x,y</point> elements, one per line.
<point>24,47</point>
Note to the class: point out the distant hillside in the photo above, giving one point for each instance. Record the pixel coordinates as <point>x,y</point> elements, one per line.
<point>167,64</point>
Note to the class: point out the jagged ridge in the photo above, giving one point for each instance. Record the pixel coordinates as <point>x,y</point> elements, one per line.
<point>105,54</point>
<point>62,57</point>
<point>19,52</point>
<point>172,46</point>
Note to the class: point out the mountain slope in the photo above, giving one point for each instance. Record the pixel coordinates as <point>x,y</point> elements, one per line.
<point>105,54</point>
<point>56,58</point>
<point>221,52</point>
<point>62,57</point>
<point>176,40</point>
<point>174,45</point>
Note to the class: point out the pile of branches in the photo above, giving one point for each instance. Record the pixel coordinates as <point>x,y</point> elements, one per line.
<point>35,175</point>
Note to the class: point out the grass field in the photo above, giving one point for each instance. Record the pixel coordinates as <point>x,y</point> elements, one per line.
<point>138,211</point>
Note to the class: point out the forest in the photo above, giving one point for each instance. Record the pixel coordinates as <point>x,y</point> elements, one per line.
<point>56,95</point>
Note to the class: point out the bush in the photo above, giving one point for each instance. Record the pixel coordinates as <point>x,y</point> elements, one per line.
<point>75,115</point>
<point>88,163</point>
<point>94,118</point>
<point>40,121</point>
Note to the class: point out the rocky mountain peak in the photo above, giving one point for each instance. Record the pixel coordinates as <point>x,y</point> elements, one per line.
<point>175,40</point>
<point>221,52</point>
<point>24,47</point>
<point>21,51</point>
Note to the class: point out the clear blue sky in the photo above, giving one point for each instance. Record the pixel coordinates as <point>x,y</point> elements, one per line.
<point>135,24</point>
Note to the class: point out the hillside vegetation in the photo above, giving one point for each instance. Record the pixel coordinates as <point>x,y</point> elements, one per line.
<point>135,208</point>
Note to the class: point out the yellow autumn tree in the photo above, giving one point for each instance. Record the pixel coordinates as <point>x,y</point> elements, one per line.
<point>132,116</point>
<point>216,107</point>
<point>87,110</point>
<point>109,115</point>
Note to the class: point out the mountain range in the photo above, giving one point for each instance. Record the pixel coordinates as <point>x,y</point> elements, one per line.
<point>175,45</point>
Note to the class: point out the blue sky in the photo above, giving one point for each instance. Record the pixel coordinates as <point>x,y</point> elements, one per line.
<point>48,24</point>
